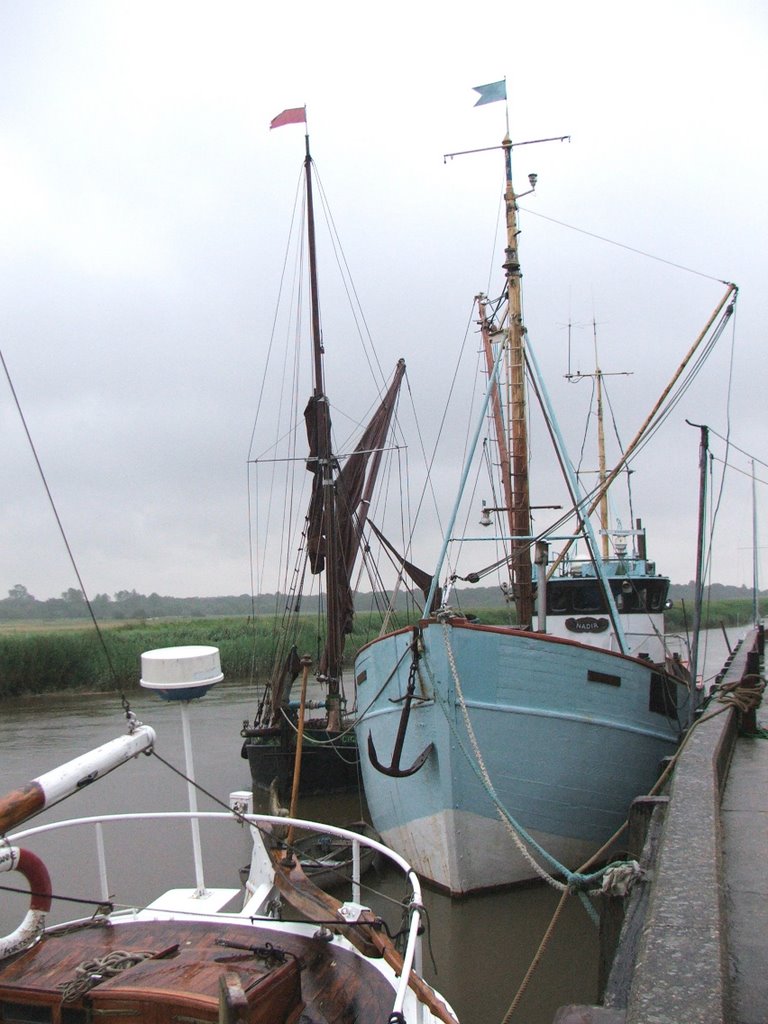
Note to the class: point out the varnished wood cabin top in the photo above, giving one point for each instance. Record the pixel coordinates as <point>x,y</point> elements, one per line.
<point>319,983</point>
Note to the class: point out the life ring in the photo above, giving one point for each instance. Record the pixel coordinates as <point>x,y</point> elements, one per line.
<point>36,873</point>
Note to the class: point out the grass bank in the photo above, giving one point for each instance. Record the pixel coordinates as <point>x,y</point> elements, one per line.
<point>72,657</point>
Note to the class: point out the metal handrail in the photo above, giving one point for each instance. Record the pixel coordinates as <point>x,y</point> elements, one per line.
<point>412,952</point>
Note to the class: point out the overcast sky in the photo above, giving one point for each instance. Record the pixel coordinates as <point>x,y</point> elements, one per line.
<point>144,208</point>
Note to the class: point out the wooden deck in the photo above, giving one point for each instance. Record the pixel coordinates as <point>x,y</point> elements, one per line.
<point>181,980</point>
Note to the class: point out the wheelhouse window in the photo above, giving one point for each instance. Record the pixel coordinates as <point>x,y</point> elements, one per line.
<point>585,596</point>
<point>588,597</point>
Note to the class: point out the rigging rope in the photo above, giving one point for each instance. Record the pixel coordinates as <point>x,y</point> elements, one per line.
<point>621,245</point>
<point>243,819</point>
<point>521,838</point>
<point>658,418</point>
<point>728,696</point>
<point>102,642</point>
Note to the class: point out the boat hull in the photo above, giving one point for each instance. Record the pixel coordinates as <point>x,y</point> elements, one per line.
<point>563,735</point>
<point>329,763</point>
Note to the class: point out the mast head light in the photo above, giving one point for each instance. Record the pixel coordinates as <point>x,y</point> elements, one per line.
<point>485,516</point>
<point>533,178</point>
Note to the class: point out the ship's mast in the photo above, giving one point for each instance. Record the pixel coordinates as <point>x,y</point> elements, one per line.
<point>317,342</point>
<point>601,467</point>
<point>497,408</point>
<point>601,501</point>
<point>520,516</point>
<point>601,464</point>
<point>330,665</point>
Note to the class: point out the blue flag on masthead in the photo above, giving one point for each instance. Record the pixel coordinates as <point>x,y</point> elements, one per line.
<point>492,92</point>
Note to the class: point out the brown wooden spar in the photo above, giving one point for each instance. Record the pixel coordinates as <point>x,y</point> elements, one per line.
<point>497,408</point>
<point>520,516</point>
<point>20,804</point>
<point>319,906</point>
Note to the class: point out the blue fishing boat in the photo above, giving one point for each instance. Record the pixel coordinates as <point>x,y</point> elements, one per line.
<point>493,754</point>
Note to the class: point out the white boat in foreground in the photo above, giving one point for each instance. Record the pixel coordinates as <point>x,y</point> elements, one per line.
<point>195,953</point>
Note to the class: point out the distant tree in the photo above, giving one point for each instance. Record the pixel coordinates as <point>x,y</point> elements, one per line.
<point>73,596</point>
<point>20,593</point>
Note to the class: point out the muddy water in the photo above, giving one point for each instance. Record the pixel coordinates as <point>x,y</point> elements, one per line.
<point>481,946</point>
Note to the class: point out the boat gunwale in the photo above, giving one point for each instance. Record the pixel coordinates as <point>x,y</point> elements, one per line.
<point>487,627</point>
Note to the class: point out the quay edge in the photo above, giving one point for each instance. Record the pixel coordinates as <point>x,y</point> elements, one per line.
<point>673,951</point>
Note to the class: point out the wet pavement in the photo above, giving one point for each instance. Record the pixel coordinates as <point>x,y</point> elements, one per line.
<point>744,821</point>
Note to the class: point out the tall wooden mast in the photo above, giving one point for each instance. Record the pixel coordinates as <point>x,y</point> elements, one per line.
<point>340,495</point>
<point>497,410</point>
<point>520,518</point>
<point>331,663</point>
<point>601,463</point>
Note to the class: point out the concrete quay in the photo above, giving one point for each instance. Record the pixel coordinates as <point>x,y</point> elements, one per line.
<point>689,945</point>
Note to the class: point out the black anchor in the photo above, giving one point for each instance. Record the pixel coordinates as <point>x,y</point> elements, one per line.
<point>394,771</point>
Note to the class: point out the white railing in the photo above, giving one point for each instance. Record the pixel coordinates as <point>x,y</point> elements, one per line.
<point>412,959</point>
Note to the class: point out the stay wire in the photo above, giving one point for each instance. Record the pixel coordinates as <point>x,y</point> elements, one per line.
<point>741,451</point>
<point>107,905</point>
<point>622,245</point>
<point>727,439</point>
<point>735,469</point>
<point>105,650</point>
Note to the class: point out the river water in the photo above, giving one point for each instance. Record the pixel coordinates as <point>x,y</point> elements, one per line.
<point>482,946</point>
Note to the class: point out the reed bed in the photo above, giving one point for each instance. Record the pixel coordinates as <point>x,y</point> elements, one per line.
<point>34,660</point>
<point>76,658</point>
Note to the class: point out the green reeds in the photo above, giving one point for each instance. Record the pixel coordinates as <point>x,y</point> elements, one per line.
<point>53,660</point>
<point>38,660</point>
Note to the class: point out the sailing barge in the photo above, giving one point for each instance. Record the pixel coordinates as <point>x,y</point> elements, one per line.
<point>328,545</point>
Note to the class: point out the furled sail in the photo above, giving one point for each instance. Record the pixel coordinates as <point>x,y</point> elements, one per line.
<point>339,509</point>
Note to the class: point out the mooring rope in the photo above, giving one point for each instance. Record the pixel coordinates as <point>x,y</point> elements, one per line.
<point>575,881</point>
<point>90,973</point>
<point>513,827</point>
<point>744,694</point>
<point>730,695</point>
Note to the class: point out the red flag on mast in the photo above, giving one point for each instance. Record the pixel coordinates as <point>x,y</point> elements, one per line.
<point>295,115</point>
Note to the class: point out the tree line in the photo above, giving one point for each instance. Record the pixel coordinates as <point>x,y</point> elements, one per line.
<point>21,606</point>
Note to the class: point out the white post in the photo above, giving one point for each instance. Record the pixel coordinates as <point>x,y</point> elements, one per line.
<point>355,871</point>
<point>192,793</point>
<point>102,857</point>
